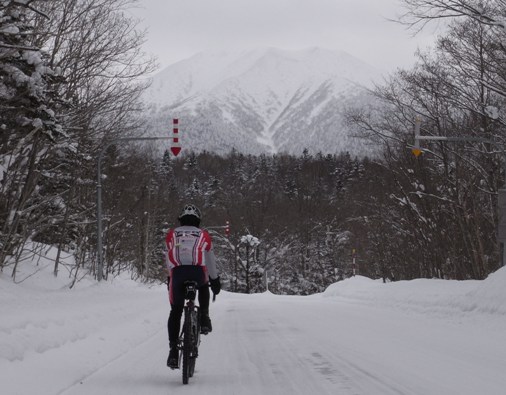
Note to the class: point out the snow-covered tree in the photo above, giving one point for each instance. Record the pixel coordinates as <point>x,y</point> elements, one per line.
<point>28,123</point>
<point>57,107</point>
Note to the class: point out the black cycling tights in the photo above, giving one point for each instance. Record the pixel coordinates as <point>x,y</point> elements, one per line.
<point>174,323</point>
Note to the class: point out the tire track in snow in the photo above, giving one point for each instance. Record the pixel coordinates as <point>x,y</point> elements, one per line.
<point>116,359</point>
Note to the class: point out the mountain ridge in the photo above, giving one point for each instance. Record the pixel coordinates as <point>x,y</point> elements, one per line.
<point>263,100</point>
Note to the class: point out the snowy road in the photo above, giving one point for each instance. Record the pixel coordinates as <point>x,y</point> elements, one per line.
<point>112,340</point>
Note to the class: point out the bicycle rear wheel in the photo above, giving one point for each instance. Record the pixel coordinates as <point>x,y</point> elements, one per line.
<point>187,346</point>
<point>195,339</point>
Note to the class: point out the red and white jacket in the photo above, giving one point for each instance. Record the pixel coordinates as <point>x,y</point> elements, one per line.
<point>189,245</point>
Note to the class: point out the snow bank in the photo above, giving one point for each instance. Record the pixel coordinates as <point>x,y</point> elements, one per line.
<point>489,295</point>
<point>427,295</point>
<point>41,313</point>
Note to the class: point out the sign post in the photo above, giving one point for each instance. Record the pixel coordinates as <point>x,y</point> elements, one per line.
<point>353,251</point>
<point>416,148</point>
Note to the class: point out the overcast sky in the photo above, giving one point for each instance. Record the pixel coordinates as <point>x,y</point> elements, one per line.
<point>181,28</point>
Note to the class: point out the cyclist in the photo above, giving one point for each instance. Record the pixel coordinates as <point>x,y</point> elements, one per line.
<point>189,256</point>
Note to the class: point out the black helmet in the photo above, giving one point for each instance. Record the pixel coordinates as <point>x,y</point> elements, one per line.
<point>190,209</point>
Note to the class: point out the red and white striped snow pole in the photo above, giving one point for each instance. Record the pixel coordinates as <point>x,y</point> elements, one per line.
<point>176,145</point>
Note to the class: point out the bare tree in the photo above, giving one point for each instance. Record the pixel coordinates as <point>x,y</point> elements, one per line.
<point>420,12</point>
<point>490,14</point>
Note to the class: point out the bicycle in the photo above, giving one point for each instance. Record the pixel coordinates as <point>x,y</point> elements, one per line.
<point>189,340</point>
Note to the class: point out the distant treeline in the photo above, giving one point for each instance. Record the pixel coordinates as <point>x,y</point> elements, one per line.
<point>309,214</point>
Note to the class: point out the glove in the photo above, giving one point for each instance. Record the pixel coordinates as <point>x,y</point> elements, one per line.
<point>215,285</point>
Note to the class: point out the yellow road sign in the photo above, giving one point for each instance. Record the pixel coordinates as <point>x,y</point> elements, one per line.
<point>416,152</point>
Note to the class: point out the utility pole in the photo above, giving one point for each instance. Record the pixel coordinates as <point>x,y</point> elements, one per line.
<point>175,149</point>
<point>100,263</point>
<point>501,201</point>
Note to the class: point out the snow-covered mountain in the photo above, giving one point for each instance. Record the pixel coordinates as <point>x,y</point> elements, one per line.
<point>264,100</point>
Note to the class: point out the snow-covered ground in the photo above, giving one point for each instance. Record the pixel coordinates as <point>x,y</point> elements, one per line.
<point>425,337</point>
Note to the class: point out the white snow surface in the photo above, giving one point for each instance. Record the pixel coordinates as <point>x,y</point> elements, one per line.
<point>360,336</point>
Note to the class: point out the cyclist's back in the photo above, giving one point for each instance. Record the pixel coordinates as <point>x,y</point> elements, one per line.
<point>190,245</point>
